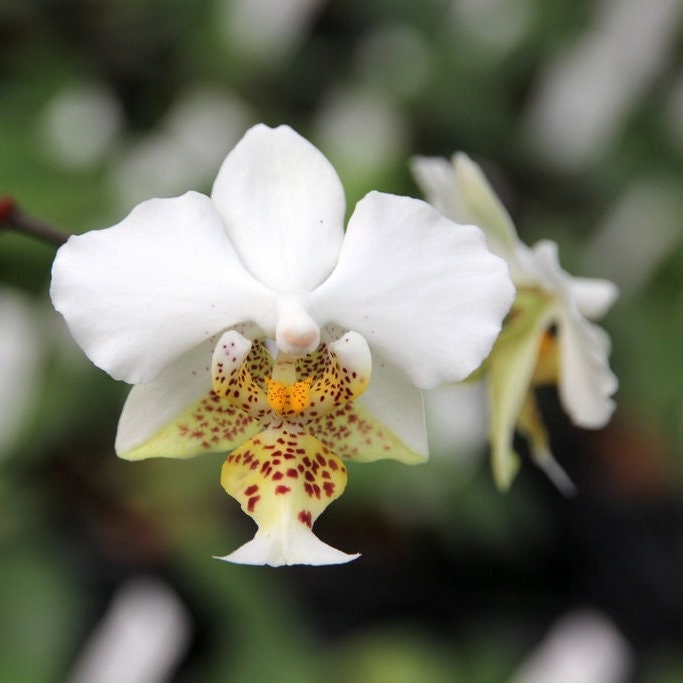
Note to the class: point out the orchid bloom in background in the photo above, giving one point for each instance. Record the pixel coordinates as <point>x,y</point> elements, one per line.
<point>249,322</point>
<point>547,338</point>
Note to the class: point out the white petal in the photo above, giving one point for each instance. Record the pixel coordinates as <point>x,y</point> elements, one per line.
<point>425,293</point>
<point>461,192</point>
<point>139,294</point>
<point>290,544</point>
<point>483,206</point>
<point>398,405</point>
<point>586,381</point>
<point>436,179</point>
<point>149,407</point>
<point>593,296</point>
<point>544,266</point>
<point>283,205</point>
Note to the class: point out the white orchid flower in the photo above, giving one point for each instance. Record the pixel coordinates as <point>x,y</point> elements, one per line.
<point>187,297</point>
<point>548,337</point>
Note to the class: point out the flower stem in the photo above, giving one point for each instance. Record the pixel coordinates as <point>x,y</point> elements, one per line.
<point>12,218</point>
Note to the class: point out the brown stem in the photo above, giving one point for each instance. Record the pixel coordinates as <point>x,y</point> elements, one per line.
<point>12,218</point>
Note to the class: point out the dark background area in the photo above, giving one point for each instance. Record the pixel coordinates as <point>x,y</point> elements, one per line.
<point>575,110</point>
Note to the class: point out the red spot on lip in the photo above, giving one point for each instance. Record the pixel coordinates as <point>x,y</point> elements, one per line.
<point>251,490</point>
<point>251,503</point>
<point>306,518</point>
<point>279,490</point>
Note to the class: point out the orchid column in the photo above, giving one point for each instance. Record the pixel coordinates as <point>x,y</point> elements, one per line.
<point>265,260</point>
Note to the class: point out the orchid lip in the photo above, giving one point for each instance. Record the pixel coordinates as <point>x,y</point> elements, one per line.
<point>284,476</point>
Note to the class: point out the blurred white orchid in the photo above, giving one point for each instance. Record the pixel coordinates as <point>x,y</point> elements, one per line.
<point>181,281</point>
<point>583,646</point>
<point>547,338</point>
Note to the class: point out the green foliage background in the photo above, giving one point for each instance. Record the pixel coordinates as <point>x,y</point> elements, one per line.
<point>456,582</point>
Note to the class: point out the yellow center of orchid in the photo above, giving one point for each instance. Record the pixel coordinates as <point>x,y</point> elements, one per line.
<point>288,399</point>
<point>547,363</point>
